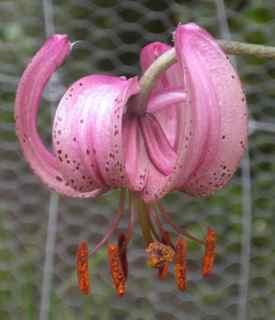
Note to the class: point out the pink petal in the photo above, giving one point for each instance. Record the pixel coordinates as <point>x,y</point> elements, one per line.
<point>76,157</point>
<point>148,55</point>
<point>28,96</point>
<point>88,130</point>
<point>136,159</point>
<point>165,99</point>
<point>107,132</point>
<point>169,84</point>
<point>159,150</point>
<point>221,114</point>
<point>171,117</point>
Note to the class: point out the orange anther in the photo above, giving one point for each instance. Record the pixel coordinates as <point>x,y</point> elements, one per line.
<point>82,267</point>
<point>210,252</point>
<point>116,269</point>
<point>180,263</point>
<point>163,269</point>
<point>159,254</point>
<point>165,239</point>
<point>122,245</point>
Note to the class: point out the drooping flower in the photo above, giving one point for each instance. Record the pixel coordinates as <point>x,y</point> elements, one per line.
<point>190,138</point>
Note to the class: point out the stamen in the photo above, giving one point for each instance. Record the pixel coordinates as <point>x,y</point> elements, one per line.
<point>152,224</point>
<point>158,254</point>
<point>114,223</point>
<point>116,269</point>
<point>82,267</point>
<point>122,247</point>
<point>154,215</point>
<point>209,255</point>
<point>163,270</point>
<point>166,239</point>
<point>178,230</point>
<point>131,223</point>
<point>181,265</point>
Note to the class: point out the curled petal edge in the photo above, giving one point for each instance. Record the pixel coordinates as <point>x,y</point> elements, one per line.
<point>30,89</point>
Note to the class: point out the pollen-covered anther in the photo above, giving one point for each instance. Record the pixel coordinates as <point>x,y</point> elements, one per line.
<point>82,267</point>
<point>163,270</point>
<point>122,246</point>
<point>158,254</point>
<point>180,263</point>
<point>210,252</point>
<point>116,269</point>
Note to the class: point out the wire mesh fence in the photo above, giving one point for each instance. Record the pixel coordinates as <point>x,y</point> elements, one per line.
<point>39,231</point>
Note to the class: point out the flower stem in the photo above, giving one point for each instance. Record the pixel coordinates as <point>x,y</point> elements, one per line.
<point>167,59</point>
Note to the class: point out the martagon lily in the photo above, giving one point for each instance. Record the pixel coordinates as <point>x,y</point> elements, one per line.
<point>189,137</point>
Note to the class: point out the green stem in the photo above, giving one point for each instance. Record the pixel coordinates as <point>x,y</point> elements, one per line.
<point>167,59</point>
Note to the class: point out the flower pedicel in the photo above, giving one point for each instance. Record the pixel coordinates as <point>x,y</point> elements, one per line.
<point>190,138</point>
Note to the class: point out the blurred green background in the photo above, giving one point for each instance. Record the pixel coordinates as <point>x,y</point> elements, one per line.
<point>113,31</point>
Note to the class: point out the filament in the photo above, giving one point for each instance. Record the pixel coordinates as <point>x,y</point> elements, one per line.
<point>114,223</point>
<point>179,231</point>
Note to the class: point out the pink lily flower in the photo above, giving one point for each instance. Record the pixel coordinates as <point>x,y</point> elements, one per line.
<point>191,137</point>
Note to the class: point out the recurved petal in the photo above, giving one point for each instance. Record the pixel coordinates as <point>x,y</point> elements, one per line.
<point>168,79</point>
<point>168,103</point>
<point>28,96</point>
<point>73,147</point>
<point>160,151</point>
<point>135,156</point>
<point>107,131</point>
<point>88,129</point>
<point>215,85</point>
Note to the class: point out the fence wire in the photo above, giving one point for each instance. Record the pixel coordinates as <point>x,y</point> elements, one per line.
<point>37,276</point>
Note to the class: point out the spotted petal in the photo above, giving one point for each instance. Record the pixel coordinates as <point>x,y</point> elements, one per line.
<point>209,127</point>
<point>28,96</point>
<point>216,90</point>
<point>88,132</point>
